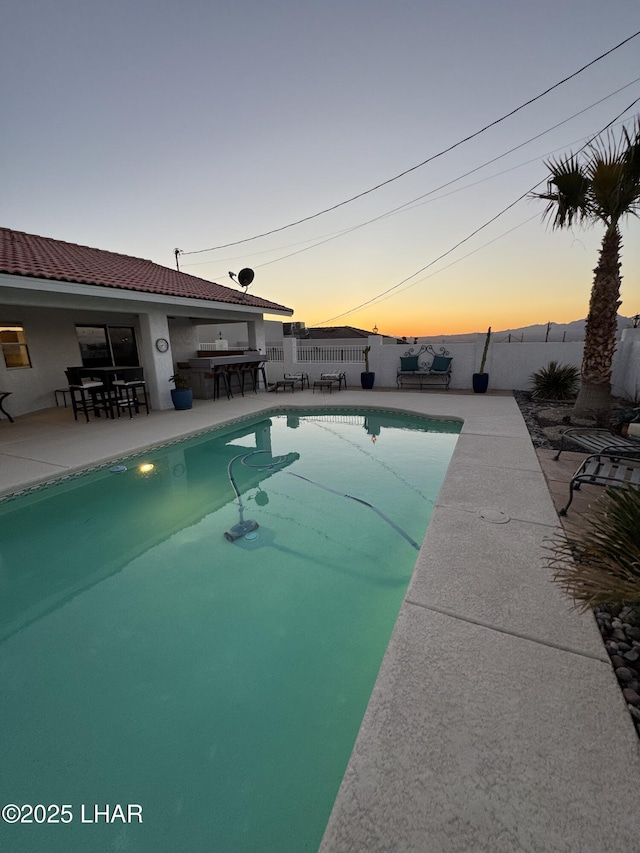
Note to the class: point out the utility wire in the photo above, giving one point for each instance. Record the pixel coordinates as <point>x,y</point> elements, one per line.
<point>424,162</point>
<point>462,258</point>
<point>473,233</point>
<point>336,234</point>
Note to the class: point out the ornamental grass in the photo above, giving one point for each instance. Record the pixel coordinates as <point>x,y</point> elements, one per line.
<point>602,564</point>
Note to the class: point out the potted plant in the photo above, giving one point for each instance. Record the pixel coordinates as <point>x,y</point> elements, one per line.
<point>182,394</point>
<point>481,379</point>
<point>367,378</point>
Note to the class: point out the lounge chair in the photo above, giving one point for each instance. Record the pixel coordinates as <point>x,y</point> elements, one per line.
<point>596,440</point>
<point>604,469</point>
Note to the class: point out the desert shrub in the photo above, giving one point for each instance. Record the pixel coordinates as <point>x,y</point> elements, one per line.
<point>555,381</point>
<point>602,564</point>
<point>627,416</point>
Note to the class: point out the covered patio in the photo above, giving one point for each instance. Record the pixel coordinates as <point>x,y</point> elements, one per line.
<point>64,305</point>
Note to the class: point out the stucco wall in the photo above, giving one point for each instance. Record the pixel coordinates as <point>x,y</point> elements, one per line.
<point>53,346</point>
<point>509,365</point>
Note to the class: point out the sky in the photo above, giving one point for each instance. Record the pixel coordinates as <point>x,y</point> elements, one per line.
<point>143,127</point>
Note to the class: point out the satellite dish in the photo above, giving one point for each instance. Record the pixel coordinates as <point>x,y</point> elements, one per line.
<point>245,277</point>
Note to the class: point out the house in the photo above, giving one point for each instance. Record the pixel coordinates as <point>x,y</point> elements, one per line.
<point>65,305</point>
<point>276,331</point>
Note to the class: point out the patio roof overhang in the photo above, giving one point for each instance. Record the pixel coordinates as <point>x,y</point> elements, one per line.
<point>22,290</point>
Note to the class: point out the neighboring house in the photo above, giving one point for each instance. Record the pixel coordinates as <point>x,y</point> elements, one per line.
<point>276,331</point>
<point>64,305</point>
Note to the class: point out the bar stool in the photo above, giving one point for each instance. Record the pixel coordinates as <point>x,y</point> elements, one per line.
<point>235,370</point>
<point>249,370</point>
<point>84,393</point>
<point>64,392</point>
<point>220,372</point>
<point>127,390</point>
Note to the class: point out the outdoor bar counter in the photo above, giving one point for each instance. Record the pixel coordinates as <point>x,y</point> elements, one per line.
<point>201,369</point>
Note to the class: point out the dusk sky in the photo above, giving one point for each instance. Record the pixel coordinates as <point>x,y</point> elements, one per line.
<point>141,127</point>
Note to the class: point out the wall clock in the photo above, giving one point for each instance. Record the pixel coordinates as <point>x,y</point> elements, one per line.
<point>162,344</point>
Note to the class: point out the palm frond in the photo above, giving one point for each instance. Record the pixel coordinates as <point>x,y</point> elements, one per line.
<point>567,193</point>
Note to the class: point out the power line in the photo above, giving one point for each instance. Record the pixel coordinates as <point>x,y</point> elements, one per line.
<point>424,162</point>
<point>462,258</point>
<point>406,205</point>
<point>473,233</point>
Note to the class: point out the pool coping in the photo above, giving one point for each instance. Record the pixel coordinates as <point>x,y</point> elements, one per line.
<point>496,722</point>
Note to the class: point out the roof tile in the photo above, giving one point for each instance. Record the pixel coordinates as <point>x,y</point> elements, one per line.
<point>56,260</point>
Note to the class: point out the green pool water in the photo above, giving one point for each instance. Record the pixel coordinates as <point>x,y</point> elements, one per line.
<point>219,685</point>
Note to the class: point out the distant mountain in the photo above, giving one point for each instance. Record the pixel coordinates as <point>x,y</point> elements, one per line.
<point>573,331</point>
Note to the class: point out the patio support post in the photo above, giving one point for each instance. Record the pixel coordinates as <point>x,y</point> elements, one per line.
<point>158,366</point>
<point>290,355</point>
<point>257,335</point>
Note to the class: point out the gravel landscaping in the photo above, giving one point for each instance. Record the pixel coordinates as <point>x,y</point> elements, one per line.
<point>619,625</point>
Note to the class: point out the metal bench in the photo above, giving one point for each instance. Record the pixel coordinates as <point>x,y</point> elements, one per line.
<point>603,469</point>
<point>596,440</point>
<point>417,371</point>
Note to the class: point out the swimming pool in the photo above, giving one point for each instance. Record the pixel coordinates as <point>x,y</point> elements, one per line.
<point>151,654</point>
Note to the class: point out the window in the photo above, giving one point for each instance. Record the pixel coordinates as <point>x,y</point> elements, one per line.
<point>107,346</point>
<point>14,345</point>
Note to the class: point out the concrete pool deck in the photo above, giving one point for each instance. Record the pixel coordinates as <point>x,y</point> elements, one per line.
<point>496,723</point>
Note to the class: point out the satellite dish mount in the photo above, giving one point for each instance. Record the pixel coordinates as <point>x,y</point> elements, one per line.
<point>244,278</point>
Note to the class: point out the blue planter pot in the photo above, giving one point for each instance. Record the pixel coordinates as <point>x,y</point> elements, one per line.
<point>182,398</point>
<point>367,380</point>
<point>480,382</point>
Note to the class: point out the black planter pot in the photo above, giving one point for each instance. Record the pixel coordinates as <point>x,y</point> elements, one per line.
<point>367,380</point>
<point>480,382</point>
<point>182,398</point>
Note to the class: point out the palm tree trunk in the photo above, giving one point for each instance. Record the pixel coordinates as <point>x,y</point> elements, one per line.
<point>594,397</point>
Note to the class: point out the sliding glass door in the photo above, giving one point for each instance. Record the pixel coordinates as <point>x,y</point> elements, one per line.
<point>107,346</point>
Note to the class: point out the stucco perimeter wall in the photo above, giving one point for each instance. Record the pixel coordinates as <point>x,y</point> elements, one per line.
<point>509,365</point>
<point>626,375</point>
<point>512,364</point>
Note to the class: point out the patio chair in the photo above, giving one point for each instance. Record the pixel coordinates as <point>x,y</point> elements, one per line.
<point>127,389</point>
<point>86,394</point>
<point>603,469</point>
<point>596,440</point>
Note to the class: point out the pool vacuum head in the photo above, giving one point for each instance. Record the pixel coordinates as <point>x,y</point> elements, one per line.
<point>240,529</point>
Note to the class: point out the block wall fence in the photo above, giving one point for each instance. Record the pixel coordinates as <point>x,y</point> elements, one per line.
<point>509,365</point>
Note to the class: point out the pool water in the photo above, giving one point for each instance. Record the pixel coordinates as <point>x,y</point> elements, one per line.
<point>216,682</point>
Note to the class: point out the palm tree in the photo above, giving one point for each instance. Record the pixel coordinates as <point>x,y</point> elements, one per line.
<point>600,186</point>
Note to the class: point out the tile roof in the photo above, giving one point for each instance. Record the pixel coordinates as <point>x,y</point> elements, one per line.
<point>43,257</point>
<point>329,332</point>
